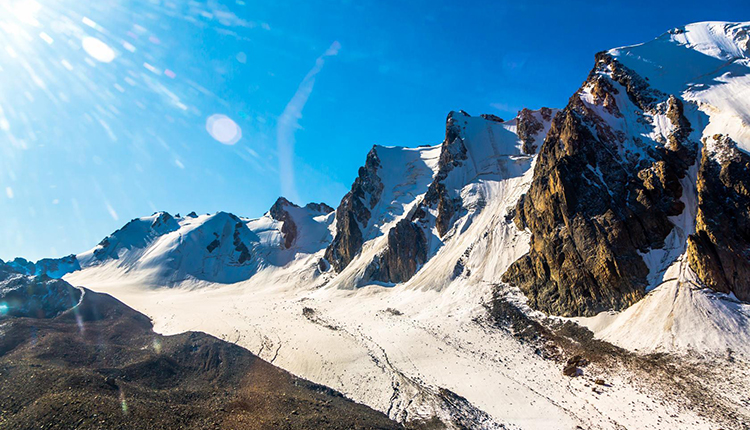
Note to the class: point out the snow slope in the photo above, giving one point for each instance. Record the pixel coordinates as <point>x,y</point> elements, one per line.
<point>398,349</point>
<point>707,63</point>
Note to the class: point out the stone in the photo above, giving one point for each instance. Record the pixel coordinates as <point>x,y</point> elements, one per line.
<point>590,209</point>
<point>719,251</point>
<point>354,213</point>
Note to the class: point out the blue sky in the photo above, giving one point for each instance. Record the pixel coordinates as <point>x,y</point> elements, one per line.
<point>107,108</point>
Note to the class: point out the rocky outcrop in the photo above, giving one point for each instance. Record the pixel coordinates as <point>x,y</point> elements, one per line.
<point>491,117</point>
<point>22,295</point>
<point>57,267</point>
<point>452,153</point>
<point>599,198</point>
<point>353,213</point>
<point>719,251</point>
<point>243,252</point>
<point>288,227</point>
<point>405,253</point>
<point>22,265</point>
<point>289,230</point>
<point>527,129</point>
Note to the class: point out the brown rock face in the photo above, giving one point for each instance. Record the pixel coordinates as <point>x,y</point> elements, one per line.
<point>528,127</point>
<point>353,213</point>
<point>593,204</point>
<point>288,227</point>
<point>405,253</point>
<point>719,251</point>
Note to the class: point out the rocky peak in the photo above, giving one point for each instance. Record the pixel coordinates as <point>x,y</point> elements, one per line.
<point>23,266</point>
<point>453,152</point>
<point>24,295</point>
<point>321,208</point>
<point>491,117</point>
<point>164,223</point>
<point>135,234</point>
<point>280,213</point>
<point>600,197</point>
<point>353,213</point>
<point>528,128</point>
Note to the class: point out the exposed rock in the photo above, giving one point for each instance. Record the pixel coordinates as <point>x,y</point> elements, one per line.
<point>719,251</point>
<point>280,212</point>
<point>288,227</point>
<point>491,117</point>
<point>593,206</point>
<point>570,370</point>
<point>527,128</point>
<point>135,234</point>
<point>320,207</point>
<point>405,253</point>
<point>573,365</point>
<point>546,113</point>
<point>353,213</point>
<point>214,244</point>
<point>55,267</point>
<point>452,153</point>
<point>22,295</point>
<point>239,245</point>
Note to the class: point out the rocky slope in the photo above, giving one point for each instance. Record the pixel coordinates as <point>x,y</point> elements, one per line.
<point>600,196</point>
<point>92,362</point>
<point>608,181</point>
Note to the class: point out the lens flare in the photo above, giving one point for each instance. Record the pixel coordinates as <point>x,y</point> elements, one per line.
<point>223,129</point>
<point>98,50</point>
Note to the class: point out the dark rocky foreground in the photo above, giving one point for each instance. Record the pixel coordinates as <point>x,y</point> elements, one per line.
<point>100,365</point>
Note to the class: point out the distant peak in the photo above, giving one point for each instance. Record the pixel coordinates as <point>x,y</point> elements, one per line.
<point>491,117</point>
<point>279,213</point>
<point>320,207</point>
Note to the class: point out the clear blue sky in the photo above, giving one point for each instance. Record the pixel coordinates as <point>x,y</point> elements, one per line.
<point>106,106</point>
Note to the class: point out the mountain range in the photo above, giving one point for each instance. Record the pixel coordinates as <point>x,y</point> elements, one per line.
<point>586,266</point>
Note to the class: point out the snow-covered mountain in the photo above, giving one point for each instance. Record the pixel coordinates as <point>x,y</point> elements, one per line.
<point>220,248</point>
<point>444,285</point>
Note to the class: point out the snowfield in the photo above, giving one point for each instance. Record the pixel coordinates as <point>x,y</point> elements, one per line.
<point>428,347</point>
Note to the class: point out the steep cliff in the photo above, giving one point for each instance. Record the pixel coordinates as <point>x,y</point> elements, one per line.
<point>602,194</point>
<point>353,213</point>
<point>719,251</point>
